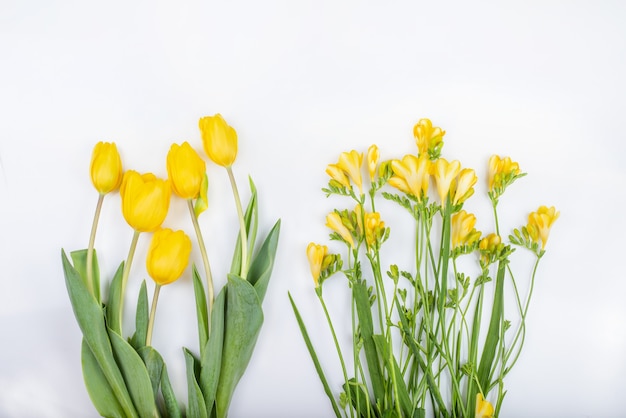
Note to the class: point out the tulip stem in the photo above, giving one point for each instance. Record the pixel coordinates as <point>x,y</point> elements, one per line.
<point>155,300</point>
<point>92,240</point>
<point>125,274</point>
<point>242,224</point>
<point>205,259</point>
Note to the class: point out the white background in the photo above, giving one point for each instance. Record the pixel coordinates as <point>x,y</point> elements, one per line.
<point>301,82</point>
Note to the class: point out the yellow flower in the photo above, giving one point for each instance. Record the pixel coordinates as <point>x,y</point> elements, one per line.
<point>540,222</point>
<point>350,163</point>
<point>316,253</point>
<point>428,139</point>
<point>374,228</point>
<point>106,167</point>
<point>333,221</point>
<point>462,229</point>
<point>411,175</point>
<point>444,173</point>
<point>501,172</point>
<point>186,170</point>
<point>219,139</point>
<point>490,242</point>
<point>463,187</point>
<point>145,200</point>
<point>372,160</point>
<point>168,255</point>
<point>338,175</point>
<point>484,409</point>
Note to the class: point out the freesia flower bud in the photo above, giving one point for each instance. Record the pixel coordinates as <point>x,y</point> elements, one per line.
<point>334,222</point>
<point>462,229</point>
<point>186,170</point>
<point>338,175</point>
<point>540,223</point>
<point>106,167</point>
<point>316,254</point>
<point>484,409</point>
<point>145,200</point>
<point>219,139</point>
<point>429,139</point>
<point>372,160</point>
<point>350,163</point>
<point>168,255</point>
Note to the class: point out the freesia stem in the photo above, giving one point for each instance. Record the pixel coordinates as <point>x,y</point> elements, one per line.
<point>205,258</point>
<point>242,224</point>
<point>155,300</point>
<point>125,274</point>
<point>92,240</point>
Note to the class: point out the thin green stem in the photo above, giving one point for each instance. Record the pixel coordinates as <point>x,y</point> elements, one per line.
<point>125,274</point>
<point>92,240</point>
<point>205,260</point>
<point>155,300</point>
<point>242,224</point>
<point>495,216</point>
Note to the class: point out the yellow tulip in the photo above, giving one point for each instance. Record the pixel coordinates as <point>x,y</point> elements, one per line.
<point>462,229</point>
<point>411,175</point>
<point>540,223</point>
<point>186,170</point>
<point>316,253</point>
<point>372,160</point>
<point>428,139</point>
<point>463,187</point>
<point>444,173</point>
<point>106,167</point>
<point>145,200</point>
<point>350,163</point>
<point>333,221</point>
<point>484,409</point>
<point>168,256</point>
<point>219,139</point>
<point>338,175</point>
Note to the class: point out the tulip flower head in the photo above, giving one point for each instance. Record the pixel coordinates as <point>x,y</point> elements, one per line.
<point>186,170</point>
<point>429,139</point>
<point>219,140</point>
<point>445,172</point>
<point>316,253</point>
<point>168,256</point>
<point>106,167</point>
<point>540,223</point>
<point>145,200</point>
<point>484,409</point>
<point>411,175</point>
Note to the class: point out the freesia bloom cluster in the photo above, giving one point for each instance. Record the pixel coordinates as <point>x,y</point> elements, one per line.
<point>128,377</point>
<point>424,340</point>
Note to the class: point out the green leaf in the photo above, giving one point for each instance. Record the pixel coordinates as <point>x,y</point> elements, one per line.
<point>159,378</point>
<point>98,387</point>
<point>79,257</point>
<point>135,375</point>
<point>263,263</point>
<point>360,399</point>
<point>197,407</point>
<point>201,309</point>
<point>318,366</point>
<point>141,319</point>
<point>211,361</point>
<point>243,321</point>
<point>251,221</point>
<point>396,375</point>
<point>90,318</point>
<point>114,321</point>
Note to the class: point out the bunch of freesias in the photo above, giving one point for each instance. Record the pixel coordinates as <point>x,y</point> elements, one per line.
<point>424,339</point>
<point>127,377</point>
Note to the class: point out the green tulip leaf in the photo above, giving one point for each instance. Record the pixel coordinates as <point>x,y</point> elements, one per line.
<point>90,318</point>
<point>243,321</point>
<point>141,319</point>
<point>79,257</point>
<point>98,387</point>
<point>157,371</point>
<point>114,321</point>
<point>201,309</point>
<point>211,361</point>
<point>263,263</point>
<point>196,406</point>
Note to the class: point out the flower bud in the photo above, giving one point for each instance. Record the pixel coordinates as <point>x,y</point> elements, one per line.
<point>145,200</point>
<point>168,256</point>
<point>334,222</point>
<point>219,140</point>
<point>429,139</point>
<point>540,223</point>
<point>316,254</point>
<point>106,167</point>
<point>186,170</point>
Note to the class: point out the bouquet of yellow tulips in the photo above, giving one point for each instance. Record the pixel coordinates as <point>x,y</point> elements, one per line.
<point>419,344</point>
<point>127,377</point>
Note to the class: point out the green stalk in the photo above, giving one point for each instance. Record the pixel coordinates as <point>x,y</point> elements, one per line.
<point>155,300</point>
<point>125,274</point>
<point>242,224</point>
<point>92,240</point>
<point>205,260</point>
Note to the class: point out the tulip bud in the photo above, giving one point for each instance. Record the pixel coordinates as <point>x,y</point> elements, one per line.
<point>106,167</point>
<point>219,139</point>
<point>168,256</point>
<point>186,170</point>
<point>145,200</point>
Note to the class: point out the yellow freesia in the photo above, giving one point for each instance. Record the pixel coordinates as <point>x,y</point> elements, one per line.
<point>428,139</point>
<point>145,200</point>
<point>106,167</point>
<point>540,223</point>
<point>501,172</point>
<point>168,255</point>
<point>484,409</point>
<point>186,170</point>
<point>338,175</point>
<point>463,187</point>
<point>445,172</point>
<point>219,140</point>
<point>374,228</point>
<point>333,221</point>
<point>372,161</point>
<point>350,163</point>
<point>411,175</point>
<point>316,253</point>
<point>462,229</point>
